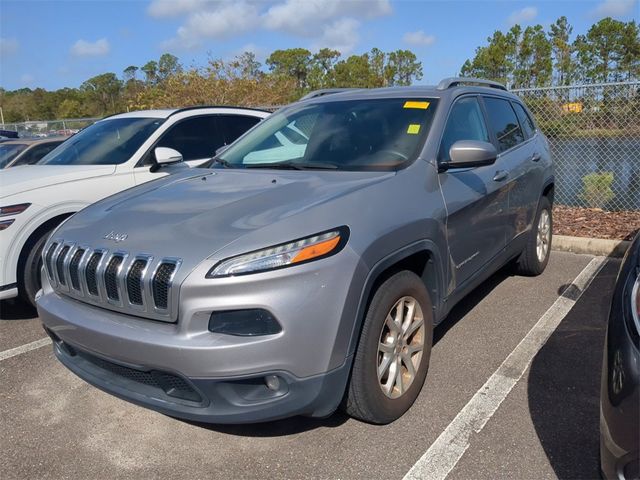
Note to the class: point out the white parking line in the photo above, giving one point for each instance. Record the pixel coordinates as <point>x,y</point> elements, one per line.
<point>12,352</point>
<point>443,455</point>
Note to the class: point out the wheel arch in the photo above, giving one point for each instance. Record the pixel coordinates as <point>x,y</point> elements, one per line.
<point>422,258</point>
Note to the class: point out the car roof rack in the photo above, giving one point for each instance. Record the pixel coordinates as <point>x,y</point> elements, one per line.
<point>457,81</point>
<point>327,91</point>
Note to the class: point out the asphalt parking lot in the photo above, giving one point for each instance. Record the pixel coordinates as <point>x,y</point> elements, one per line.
<point>546,425</point>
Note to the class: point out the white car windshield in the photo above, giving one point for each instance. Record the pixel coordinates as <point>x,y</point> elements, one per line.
<point>107,142</point>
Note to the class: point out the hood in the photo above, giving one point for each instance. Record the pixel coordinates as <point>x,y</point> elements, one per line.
<point>30,177</point>
<point>192,215</point>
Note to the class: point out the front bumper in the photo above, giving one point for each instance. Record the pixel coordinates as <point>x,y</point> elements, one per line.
<point>310,356</point>
<point>212,400</point>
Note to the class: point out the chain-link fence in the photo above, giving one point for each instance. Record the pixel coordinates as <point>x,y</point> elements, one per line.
<point>48,128</point>
<point>594,133</point>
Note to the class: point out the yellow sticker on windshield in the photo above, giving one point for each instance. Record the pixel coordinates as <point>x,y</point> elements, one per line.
<point>419,105</point>
<point>413,129</point>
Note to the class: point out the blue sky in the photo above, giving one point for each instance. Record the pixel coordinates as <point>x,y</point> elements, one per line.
<point>55,44</point>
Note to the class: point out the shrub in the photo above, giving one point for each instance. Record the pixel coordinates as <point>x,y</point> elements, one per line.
<point>596,189</point>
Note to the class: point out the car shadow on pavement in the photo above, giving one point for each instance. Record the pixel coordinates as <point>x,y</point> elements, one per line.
<point>16,309</point>
<point>564,381</point>
<point>469,302</point>
<point>277,428</point>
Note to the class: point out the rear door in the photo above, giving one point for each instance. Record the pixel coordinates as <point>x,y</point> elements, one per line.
<point>514,153</point>
<point>476,198</point>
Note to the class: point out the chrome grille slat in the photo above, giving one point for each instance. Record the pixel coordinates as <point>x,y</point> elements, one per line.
<point>161,283</point>
<point>62,280</point>
<point>111,280</point>
<point>137,284</point>
<point>74,265</point>
<point>91,272</point>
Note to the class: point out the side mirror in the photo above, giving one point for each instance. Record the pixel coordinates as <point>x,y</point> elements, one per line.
<point>471,153</point>
<point>166,155</point>
<point>221,149</point>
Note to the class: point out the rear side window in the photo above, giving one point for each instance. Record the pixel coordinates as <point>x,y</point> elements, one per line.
<point>235,125</point>
<point>195,138</point>
<point>503,121</point>
<point>525,120</point>
<point>465,122</point>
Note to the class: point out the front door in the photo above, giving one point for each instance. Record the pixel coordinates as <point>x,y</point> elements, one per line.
<point>476,198</point>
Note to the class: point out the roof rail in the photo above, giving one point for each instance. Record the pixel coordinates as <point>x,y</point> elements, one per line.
<point>198,107</point>
<point>327,91</point>
<point>456,81</point>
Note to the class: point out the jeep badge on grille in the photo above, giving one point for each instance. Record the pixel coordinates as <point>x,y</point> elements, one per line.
<point>116,237</point>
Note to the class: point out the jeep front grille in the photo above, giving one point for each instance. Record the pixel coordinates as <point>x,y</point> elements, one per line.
<point>135,284</point>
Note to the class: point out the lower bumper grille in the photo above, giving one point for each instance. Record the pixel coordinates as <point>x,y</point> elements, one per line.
<point>172,385</point>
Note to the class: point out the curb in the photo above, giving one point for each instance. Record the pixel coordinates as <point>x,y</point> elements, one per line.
<point>592,246</point>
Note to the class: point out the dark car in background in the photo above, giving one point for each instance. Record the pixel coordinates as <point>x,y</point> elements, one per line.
<point>26,151</point>
<point>620,392</point>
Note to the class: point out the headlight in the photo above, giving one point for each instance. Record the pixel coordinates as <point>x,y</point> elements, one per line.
<point>315,247</point>
<point>4,224</point>
<point>13,209</point>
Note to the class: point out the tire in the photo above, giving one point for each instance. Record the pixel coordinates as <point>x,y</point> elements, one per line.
<point>29,281</point>
<point>530,263</point>
<point>372,400</point>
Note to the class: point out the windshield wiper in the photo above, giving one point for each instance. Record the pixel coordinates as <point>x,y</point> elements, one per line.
<point>221,161</point>
<point>294,166</point>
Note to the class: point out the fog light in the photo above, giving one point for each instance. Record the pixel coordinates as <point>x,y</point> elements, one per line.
<point>244,323</point>
<point>273,382</point>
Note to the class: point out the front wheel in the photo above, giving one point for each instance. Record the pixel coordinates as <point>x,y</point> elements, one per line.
<point>29,281</point>
<point>392,358</point>
<point>534,258</point>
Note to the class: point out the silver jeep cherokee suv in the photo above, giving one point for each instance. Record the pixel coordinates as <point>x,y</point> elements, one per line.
<point>305,266</point>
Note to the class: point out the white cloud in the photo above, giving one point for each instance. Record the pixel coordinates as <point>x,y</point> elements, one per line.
<point>227,20</point>
<point>8,46</point>
<point>330,22</point>
<point>522,16</point>
<point>341,35</point>
<point>173,8</point>
<point>305,17</point>
<point>82,48</point>
<point>27,79</point>
<point>419,38</point>
<point>613,8</point>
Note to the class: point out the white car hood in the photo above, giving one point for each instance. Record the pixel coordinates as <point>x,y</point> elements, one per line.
<point>30,177</point>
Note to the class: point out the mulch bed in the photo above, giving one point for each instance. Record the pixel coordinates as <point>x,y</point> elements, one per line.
<point>595,223</point>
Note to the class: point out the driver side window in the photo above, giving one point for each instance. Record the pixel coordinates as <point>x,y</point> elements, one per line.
<point>465,122</point>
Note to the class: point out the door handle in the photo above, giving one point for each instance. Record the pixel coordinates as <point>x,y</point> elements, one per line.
<point>535,157</point>
<point>500,176</point>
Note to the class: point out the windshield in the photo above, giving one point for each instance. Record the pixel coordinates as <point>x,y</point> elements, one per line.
<point>9,152</point>
<point>365,134</point>
<point>107,142</point>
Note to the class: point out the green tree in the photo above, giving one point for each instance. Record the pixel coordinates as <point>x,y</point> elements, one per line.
<point>69,108</point>
<point>402,68</point>
<point>129,73</point>
<point>534,63</point>
<point>293,63</point>
<point>355,71</point>
<point>104,90</point>
<point>610,51</point>
<point>321,74</point>
<point>562,51</point>
<point>168,65</point>
<point>150,70</point>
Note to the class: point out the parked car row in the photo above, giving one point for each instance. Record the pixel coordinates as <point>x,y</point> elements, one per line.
<point>300,268</point>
